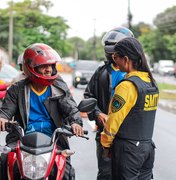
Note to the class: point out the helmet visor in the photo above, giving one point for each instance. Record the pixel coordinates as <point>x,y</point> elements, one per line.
<point>112,37</point>
<point>47,57</point>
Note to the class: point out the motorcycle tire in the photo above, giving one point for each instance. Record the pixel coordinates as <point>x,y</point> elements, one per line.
<point>0,169</point>
<point>72,174</point>
<point>3,167</point>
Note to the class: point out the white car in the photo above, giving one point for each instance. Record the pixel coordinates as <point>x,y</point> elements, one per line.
<point>166,67</point>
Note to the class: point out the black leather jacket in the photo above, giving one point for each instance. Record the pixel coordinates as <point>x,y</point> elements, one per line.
<point>61,105</point>
<point>99,87</point>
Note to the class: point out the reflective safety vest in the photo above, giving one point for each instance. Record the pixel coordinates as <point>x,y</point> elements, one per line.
<point>139,123</point>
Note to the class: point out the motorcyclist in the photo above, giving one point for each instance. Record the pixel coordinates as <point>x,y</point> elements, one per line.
<point>21,75</point>
<point>101,87</point>
<point>42,101</point>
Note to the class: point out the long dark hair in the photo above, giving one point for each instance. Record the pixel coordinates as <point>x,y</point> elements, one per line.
<point>132,48</point>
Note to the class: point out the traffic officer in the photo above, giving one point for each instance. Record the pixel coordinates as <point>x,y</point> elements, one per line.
<point>129,128</point>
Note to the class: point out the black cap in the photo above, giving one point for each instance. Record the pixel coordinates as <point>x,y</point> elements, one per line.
<point>129,47</point>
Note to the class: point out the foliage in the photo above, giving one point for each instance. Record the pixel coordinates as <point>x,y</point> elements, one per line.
<point>166,21</point>
<point>76,46</point>
<point>91,49</point>
<point>163,86</point>
<point>171,45</point>
<point>141,29</point>
<point>31,25</point>
<point>156,46</point>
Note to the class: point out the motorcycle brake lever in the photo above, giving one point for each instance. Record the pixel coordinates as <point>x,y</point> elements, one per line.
<point>84,137</point>
<point>8,127</point>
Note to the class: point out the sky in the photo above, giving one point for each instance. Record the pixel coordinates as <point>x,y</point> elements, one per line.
<point>89,17</point>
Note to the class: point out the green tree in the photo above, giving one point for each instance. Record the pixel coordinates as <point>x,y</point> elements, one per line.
<point>159,43</point>
<point>156,45</point>
<point>141,29</point>
<point>85,49</point>
<point>32,25</point>
<point>88,51</point>
<point>166,21</point>
<point>76,47</point>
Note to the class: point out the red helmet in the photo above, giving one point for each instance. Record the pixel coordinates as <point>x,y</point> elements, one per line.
<point>36,55</point>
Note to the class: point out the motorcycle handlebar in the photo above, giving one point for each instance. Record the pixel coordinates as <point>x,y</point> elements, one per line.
<point>86,132</point>
<point>70,129</point>
<point>9,125</point>
<point>13,126</point>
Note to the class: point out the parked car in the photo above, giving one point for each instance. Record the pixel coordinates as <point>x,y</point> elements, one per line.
<point>155,67</point>
<point>84,69</point>
<point>175,70</point>
<point>8,72</point>
<point>166,67</point>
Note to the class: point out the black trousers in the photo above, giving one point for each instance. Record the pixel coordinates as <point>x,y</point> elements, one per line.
<point>132,160</point>
<point>104,164</point>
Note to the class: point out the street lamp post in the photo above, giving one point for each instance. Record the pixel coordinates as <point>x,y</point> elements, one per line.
<point>10,41</point>
<point>94,41</point>
<point>130,16</point>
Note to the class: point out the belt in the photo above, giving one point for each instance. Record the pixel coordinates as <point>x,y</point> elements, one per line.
<point>134,142</point>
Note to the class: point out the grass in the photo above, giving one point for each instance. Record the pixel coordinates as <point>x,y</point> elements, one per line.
<point>166,86</point>
<point>164,91</point>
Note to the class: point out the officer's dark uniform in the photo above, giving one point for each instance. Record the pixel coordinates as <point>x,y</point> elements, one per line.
<point>132,146</point>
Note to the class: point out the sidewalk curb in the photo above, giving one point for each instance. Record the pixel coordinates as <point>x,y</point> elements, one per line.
<point>170,107</point>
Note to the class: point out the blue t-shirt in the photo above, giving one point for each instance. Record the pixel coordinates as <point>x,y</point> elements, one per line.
<point>39,118</point>
<point>117,76</point>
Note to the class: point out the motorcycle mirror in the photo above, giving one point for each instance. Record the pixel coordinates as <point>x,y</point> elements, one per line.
<point>5,149</point>
<point>67,152</point>
<point>87,105</point>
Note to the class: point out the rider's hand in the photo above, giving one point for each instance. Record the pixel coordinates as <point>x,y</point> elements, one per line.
<point>102,118</point>
<point>77,129</point>
<point>2,124</point>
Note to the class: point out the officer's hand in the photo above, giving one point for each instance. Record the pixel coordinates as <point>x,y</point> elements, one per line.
<point>103,118</point>
<point>77,129</point>
<point>2,124</point>
<point>106,154</point>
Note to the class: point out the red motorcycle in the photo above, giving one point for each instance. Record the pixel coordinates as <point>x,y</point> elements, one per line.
<point>37,156</point>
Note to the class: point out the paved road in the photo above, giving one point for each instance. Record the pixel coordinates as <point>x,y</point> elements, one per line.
<point>84,159</point>
<point>164,137</point>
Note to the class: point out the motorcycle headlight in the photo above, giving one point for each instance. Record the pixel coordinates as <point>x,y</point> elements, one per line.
<point>35,166</point>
